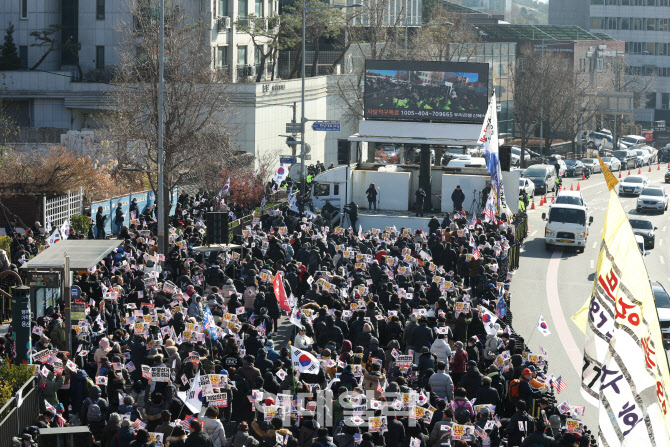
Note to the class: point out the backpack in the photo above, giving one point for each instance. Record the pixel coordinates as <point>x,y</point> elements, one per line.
<point>513,390</point>
<point>461,412</point>
<point>94,412</point>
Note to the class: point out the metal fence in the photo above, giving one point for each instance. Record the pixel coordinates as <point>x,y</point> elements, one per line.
<point>19,412</point>
<point>58,209</point>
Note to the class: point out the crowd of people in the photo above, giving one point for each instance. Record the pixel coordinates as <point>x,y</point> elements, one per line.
<point>398,338</point>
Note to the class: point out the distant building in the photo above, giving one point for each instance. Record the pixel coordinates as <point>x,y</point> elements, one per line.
<point>498,7</point>
<point>645,27</point>
<point>569,12</point>
<point>394,12</point>
<point>472,15</point>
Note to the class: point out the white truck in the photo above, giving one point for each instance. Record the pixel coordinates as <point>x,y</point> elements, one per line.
<point>566,226</point>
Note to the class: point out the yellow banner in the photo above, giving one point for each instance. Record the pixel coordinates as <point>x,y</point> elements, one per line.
<point>625,370</point>
<point>609,177</point>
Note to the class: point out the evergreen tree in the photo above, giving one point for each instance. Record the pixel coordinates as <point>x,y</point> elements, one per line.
<point>9,55</point>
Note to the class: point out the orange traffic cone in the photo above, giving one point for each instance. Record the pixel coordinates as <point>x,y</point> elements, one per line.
<point>553,196</point>
<point>578,189</point>
<point>658,167</point>
<point>619,173</point>
<point>583,176</point>
<point>532,204</point>
<point>628,171</point>
<point>639,171</point>
<point>649,167</point>
<point>571,187</point>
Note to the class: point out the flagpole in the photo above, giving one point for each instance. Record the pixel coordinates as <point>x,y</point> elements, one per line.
<point>531,336</point>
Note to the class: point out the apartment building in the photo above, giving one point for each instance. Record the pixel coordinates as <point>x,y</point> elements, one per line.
<point>643,25</point>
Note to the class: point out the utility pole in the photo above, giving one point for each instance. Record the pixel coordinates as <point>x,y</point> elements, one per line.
<point>542,101</point>
<point>67,303</point>
<point>303,178</point>
<point>163,209</point>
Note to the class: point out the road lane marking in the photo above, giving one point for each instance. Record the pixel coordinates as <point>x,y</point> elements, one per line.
<point>660,258</point>
<point>660,242</point>
<point>664,227</point>
<point>595,244</point>
<point>592,264</point>
<point>587,187</point>
<point>556,312</point>
<point>533,233</point>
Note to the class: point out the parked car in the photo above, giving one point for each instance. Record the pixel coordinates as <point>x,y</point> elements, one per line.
<point>627,158</point>
<point>667,177</point>
<point>592,163</point>
<point>526,186</point>
<point>574,168</point>
<point>645,229</point>
<point>543,176</point>
<point>662,300</point>
<point>643,157</point>
<point>652,198</point>
<point>612,163</point>
<point>633,185</point>
<point>570,198</point>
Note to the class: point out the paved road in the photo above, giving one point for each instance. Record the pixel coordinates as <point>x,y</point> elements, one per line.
<point>557,283</point>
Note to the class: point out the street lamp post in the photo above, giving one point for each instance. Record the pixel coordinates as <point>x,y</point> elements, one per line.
<point>160,196</point>
<point>304,120</point>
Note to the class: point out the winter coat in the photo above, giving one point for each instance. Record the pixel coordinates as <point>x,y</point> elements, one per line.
<point>458,362</point>
<point>214,429</point>
<point>421,336</point>
<point>441,350</point>
<point>198,439</point>
<point>48,393</point>
<point>471,381</point>
<point>242,439</point>
<point>371,380</point>
<point>78,390</point>
<point>124,437</point>
<point>442,385</point>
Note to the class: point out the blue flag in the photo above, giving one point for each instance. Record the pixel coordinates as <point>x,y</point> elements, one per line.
<point>208,323</point>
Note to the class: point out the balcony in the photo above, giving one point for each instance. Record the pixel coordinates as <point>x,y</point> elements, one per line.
<point>245,71</point>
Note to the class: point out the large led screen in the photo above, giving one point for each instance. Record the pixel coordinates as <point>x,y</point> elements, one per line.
<point>426,91</point>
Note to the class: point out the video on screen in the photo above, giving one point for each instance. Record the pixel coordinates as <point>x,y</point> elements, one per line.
<point>419,94</point>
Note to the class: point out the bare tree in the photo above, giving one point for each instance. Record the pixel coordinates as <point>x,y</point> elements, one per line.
<point>9,130</point>
<point>449,38</point>
<point>526,86</point>
<point>371,34</point>
<point>196,106</point>
<point>263,32</point>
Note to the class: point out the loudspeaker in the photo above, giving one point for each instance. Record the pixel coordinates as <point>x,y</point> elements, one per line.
<point>343,148</point>
<point>505,155</point>
<point>217,228</point>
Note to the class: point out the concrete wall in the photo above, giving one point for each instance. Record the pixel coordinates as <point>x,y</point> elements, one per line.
<point>368,222</point>
<point>468,184</point>
<point>394,189</point>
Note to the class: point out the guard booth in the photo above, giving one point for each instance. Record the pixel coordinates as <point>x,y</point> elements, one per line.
<point>49,282</point>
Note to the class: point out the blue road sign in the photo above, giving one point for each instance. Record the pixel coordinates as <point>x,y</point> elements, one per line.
<point>287,160</point>
<point>326,126</point>
<point>75,292</point>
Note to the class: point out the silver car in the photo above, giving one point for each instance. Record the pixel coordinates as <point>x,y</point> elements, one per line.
<point>652,198</point>
<point>593,164</point>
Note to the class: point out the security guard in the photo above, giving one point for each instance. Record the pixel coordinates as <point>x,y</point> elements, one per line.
<point>522,206</point>
<point>310,177</point>
<point>558,182</point>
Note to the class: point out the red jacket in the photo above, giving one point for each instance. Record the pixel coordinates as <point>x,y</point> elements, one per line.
<point>458,362</point>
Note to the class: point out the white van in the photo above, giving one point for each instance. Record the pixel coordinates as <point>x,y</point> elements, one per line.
<point>566,226</point>
<point>466,161</point>
<point>631,141</point>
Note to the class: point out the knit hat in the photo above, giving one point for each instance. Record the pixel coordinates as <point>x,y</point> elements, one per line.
<point>169,342</point>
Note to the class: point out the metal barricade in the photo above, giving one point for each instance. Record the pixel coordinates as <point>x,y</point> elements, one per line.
<point>19,411</point>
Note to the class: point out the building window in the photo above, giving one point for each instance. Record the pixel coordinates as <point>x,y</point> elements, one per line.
<point>99,57</point>
<point>665,100</point>
<point>242,55</point>
<point>257,55</point>
<point>651,101</point>
<point>599,66</point>
<point>100,9</point>
<point>242,8</point>
<point>24,9</point>
<point>259,8</point>
<point>223,7</point>
<point>222,57</point>
<point>23,56</point>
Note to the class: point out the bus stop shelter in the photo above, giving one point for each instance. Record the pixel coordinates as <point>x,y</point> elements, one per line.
<point>49,278</point>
